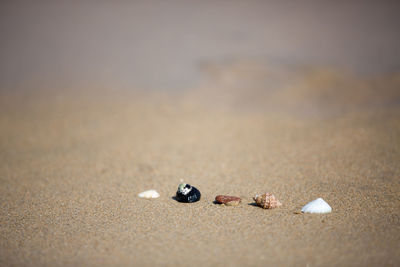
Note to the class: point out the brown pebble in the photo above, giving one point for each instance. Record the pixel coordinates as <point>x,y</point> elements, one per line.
<point>228,200</point>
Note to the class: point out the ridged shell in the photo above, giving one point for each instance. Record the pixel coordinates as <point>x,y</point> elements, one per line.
<point>317,206</point>
<point>267,201</point>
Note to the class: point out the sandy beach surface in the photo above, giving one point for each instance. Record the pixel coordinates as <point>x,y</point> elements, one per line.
<point>72,165</point>
<point>77,148</point>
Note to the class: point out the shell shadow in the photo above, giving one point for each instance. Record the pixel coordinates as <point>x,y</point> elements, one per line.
<point>252,204</point>
<point>174,198</point>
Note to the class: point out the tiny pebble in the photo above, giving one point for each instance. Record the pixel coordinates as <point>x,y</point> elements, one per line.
<point>228,200</point>
<point>149,194</point>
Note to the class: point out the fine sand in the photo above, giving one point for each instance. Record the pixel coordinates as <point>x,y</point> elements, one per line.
<point>73,161</point>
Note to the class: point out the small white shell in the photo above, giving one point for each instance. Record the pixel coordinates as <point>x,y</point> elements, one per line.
<point>149,194</point>
<point>317,206</point>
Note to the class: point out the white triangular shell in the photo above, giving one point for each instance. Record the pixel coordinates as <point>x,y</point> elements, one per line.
<point>317,206</point>
<point>149,194</point>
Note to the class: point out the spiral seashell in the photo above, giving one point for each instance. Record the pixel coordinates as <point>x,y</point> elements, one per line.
<point>267,201</point>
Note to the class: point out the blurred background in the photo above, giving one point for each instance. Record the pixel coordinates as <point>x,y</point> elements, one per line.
<point>164,44</point>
